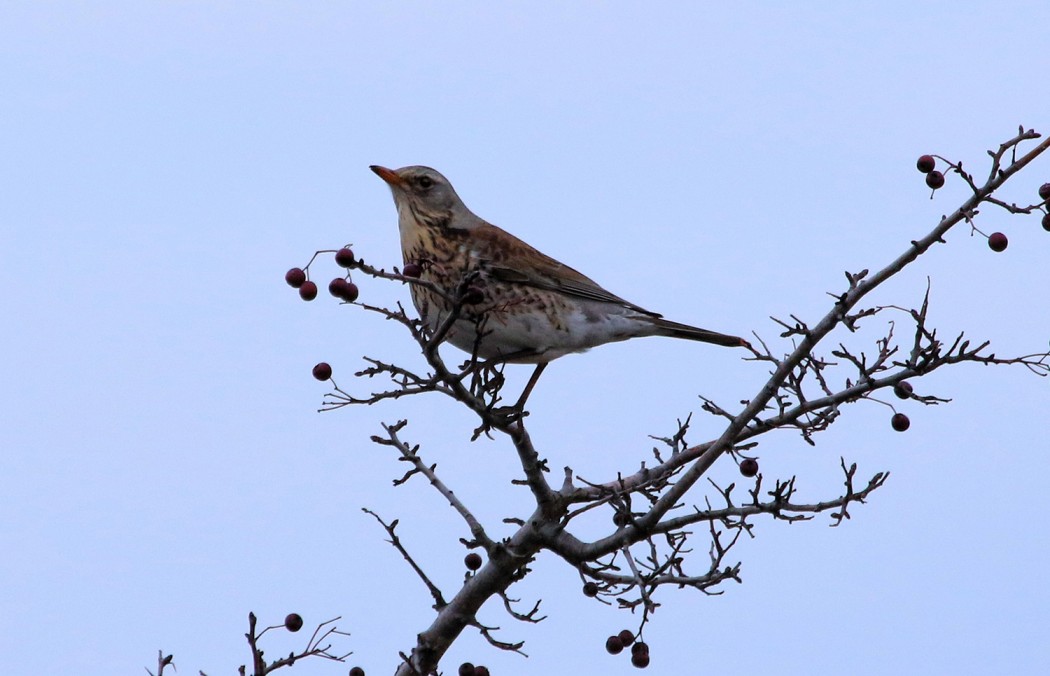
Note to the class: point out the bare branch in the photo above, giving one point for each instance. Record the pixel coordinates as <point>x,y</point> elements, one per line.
<point>806,392</point>
<point>530,616</point>
<point>439,599</point>
<point>314,647</point>
<point>410,454</point>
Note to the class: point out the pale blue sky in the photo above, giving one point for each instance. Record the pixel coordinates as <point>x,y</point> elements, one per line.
<point>165,471</point>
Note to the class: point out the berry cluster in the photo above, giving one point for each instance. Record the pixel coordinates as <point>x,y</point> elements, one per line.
<point>1044,194</point>
<point>340,287</point>
<point>899,421</point>
<point>468,669</point>
<point>615,644</point>
<point>997,241</point>
<point>927,165</point>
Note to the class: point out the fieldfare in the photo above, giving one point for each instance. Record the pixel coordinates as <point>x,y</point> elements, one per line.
<point>514,303</point>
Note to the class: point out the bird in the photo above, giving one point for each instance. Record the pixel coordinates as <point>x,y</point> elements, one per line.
<point>515,304</point>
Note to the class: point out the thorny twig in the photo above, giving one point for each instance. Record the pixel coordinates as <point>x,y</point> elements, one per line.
<point>314,647</point>
<point>439,599</point>
<point>162,662</point>
<point>410,454</point>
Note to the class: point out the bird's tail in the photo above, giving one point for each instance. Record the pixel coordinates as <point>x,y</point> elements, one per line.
<point>675,330</point>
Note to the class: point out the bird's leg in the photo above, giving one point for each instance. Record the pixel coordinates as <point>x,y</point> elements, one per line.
<point>520,404</point>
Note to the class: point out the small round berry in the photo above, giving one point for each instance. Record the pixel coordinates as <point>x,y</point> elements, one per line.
<point>900,422</point>
<point>481,670</point>
<point>903,390</point>
<point>640,660</point>
<point>613,645</point>
<point>466,669</point>
<point>337,287</point>
<point>412,270</point>
<point>626,637</point>
<point>344,258</point>
<point>323,371</point>
<point>997,241</point>
<point>294,622</point>
<point>295,277</point>
<point>472,561</point>
<point>639,648</point>
<point>590,589</point>
<point>1046,222</point>
<point>926,164</point>
<point>621,519</point>
<point>473,295</point>
<point>356,671</point>
<point>351,292</point>
<point>308,291</point>
<point>935,179</point>
<point>1044,191</point>
<point>749,467</point>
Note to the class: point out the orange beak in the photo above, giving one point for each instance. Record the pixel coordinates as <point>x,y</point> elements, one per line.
<point>388,175</point>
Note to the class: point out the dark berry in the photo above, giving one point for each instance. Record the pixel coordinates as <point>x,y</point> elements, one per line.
<point>613,645</point>
<point>412,270</point>
<point>626,637</point>
<point>481,670</point>
<point>337,287</point>
<point>640,647</point>
<point>1046,222</point>
<point>295,277</point>
<point>997,241</point>
<point>900,422</point>
<point>590,589</point>
<point>472,561</point>
<point>935,179</point>
<point>926,164</point>
<point>344,289</point>
<point>903,389</point>
<point>308,291</point>
<point>344,258</point>
<point>356,671</point>
<point>621,519</point>
<point>323,371</point>
<point>1044,191</point>
<point>473,295</point>
<point>294,621</point>
<point>466,669</point>
<point>640,660</point>
<point>749,467</point>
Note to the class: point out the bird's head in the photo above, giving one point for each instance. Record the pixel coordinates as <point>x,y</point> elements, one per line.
<point>425,197</point>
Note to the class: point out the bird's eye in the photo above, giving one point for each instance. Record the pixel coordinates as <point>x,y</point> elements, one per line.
<point>425,182</point>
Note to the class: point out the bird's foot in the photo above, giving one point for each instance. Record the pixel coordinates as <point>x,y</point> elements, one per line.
<point>499,417</point>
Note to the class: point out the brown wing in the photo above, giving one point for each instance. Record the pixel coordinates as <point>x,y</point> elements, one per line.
<point>525,265</point>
